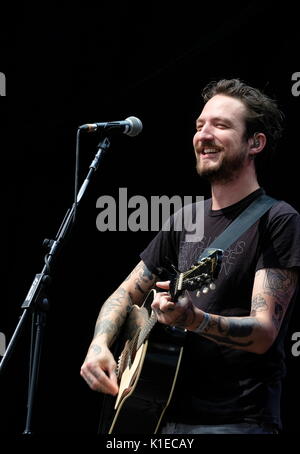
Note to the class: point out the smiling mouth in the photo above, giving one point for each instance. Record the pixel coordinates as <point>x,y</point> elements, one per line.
<point>210,151</point>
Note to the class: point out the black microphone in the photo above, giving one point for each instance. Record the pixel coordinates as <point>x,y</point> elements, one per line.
<point>131,126</point>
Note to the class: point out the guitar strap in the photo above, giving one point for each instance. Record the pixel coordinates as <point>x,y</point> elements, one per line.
<point>242,223</point>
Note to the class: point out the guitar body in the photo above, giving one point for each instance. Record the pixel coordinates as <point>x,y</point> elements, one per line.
<point>147,382</point>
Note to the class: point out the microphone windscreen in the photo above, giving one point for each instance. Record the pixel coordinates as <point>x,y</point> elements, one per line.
<point>136,128</point>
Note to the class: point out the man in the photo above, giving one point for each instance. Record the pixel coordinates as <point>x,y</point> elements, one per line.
<point>233,363</point>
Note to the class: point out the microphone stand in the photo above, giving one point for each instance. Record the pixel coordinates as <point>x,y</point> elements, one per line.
<point>36,301</point>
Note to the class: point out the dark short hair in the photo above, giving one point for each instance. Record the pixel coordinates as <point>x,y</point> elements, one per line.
<point>263,114</point>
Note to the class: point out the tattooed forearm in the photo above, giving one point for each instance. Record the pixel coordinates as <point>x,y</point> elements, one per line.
<point>108,327</point>
<point>227,341</point>
<point>231,331</point>
<point>93,350</point>
<point>272,292</point>
<point>114,311</point>
<point>113,314</point>
<point>236,327</point>
<point>118,299</point>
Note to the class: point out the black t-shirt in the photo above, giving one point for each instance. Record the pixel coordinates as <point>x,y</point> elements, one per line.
<point>218,384</point>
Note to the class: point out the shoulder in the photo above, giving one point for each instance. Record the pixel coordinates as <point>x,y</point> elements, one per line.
<point>282,212</point>
<point>282,208</point>
<point>282,221</point>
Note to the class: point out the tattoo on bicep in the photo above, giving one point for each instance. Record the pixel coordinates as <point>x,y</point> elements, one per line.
<point>258,304</point>
<point>280,284</point>
<point>145,279</point>
<point>278,315</point>
<point>147,275</point>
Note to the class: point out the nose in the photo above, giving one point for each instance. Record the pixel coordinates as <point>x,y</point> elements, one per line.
<point>204,134</point>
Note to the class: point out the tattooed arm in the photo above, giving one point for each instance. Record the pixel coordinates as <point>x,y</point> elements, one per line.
<point>272,292</point>
<point>99,366</point>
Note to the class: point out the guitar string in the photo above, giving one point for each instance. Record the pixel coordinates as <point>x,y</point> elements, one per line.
<point>135,343</point>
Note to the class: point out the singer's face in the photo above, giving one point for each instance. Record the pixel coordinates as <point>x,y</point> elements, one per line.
<point>219,143</point>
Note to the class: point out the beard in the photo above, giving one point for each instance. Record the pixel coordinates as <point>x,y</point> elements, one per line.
<point>225,170</point>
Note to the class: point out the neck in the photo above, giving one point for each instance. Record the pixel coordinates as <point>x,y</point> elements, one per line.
<point>228,193</point>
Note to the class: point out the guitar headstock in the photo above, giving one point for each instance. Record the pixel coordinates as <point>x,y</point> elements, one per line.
<point>202,274</point>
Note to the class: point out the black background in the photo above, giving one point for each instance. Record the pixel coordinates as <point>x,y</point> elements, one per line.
<point>72,63</point>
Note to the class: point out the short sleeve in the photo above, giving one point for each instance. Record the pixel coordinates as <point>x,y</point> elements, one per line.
<point>162,251</point>
<point>281,244</point>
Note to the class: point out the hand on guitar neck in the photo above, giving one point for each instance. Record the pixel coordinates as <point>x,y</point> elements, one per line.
<point>175,307</point>
<point>181,313</point>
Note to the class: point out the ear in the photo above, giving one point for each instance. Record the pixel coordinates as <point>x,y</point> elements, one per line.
<point>257,143</point>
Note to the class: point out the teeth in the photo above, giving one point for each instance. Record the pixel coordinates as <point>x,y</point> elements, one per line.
<point>210,150</point>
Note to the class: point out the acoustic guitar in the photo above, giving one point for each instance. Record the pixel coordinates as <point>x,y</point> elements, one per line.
<point>150,357</point>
